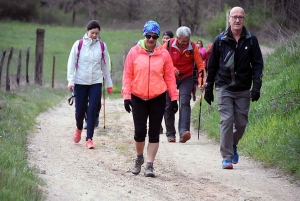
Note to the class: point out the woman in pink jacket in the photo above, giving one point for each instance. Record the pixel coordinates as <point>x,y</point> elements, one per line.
<point>148,75</point>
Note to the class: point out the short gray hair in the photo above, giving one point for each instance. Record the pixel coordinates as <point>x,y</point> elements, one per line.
<point>183,31</point>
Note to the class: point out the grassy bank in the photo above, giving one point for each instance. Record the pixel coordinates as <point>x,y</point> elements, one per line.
<point>272,136</point>
<point>18,112</point>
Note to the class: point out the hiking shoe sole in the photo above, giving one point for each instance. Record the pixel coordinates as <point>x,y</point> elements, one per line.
<point>171,140</point>
<point>185,137</point>
<point>149,172</point>
<point>227,164</point>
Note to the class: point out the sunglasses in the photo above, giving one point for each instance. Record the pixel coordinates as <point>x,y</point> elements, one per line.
<point>154,36</point>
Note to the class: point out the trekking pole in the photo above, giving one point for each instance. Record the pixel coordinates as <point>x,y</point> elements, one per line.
<point>103,104</point>
<point>199,120</point>
<point>203,75</point>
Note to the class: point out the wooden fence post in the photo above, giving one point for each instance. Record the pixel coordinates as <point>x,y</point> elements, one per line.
<point>53,70</point>
<point>39,56</point>
<point>1,64</point>
<point>19,68</point>
<point>7,69</point>
<point>27,64</point>
<point>227,18</point>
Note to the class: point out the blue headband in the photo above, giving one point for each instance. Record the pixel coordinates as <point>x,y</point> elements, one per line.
<point>151,27</point>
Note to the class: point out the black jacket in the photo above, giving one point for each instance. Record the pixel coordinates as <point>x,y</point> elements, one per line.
<point>235,65</point>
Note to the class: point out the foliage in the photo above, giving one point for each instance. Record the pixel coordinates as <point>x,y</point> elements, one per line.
<point>272,135</point>
<point>217,23</point>
<point>254,17</point>
<point>18,10</point>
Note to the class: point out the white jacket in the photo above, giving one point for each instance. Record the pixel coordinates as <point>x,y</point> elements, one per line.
<point>91,67</point>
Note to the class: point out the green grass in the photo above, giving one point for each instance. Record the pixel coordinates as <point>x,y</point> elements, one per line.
<point>58,43</point>
<point>272,135</point>
<point>18,112</point>
<point>19,108</point>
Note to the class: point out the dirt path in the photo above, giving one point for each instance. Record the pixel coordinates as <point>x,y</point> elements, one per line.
<point>190,171</point>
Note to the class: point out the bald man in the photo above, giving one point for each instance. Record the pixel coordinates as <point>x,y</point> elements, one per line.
<point>235,68</point>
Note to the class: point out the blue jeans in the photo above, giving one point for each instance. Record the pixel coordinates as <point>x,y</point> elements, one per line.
<point>87,95</point>
<point>185,87</point>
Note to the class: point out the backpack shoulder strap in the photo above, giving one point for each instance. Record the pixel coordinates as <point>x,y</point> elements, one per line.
<point>220,40</point>
<point>80,46</point>
<point>78,52</point>
<point>193,46</point>
<point>168,45</point>
<point>102,49</point>
<point>251,43</point>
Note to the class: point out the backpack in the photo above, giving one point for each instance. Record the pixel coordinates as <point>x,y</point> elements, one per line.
<point>195,69</point>
<point>79,48</point>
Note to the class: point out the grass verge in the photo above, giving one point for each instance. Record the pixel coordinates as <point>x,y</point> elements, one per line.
<point>18,112</point>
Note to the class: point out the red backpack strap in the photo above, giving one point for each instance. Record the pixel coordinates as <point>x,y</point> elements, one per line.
<point>78,52</point>
<point>102,48</point>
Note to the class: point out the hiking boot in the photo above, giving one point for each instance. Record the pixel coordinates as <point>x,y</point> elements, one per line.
<point>89,144</point>
<point>84,124</point>
<point>227,164</point>
<point>171,139</point>
<point>149,171</point>
<point>97,122</point>
<point>138,162</point>
<point>235,158</point>
<point>185,137</point>
<point>77,135</point>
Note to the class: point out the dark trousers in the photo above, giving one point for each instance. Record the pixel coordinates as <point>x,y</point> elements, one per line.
<point>141,110</point>
<point>87,95</point>
<point>185,87</point>
<point>98,109</point>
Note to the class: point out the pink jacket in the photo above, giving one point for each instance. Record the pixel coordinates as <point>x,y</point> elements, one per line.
<point>148,76</point>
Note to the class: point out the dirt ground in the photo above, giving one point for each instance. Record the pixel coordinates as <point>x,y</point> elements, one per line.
<point>190,171</point>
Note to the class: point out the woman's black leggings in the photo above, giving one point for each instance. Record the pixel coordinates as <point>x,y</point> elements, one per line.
<point>141,110</point>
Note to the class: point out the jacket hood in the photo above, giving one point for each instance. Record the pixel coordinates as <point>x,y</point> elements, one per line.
<point>88,40</point>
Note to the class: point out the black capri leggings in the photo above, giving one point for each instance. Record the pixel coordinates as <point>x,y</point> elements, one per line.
<point>141,110</point>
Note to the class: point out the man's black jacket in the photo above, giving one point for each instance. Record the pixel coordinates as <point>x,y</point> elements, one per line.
<point>235,65</point>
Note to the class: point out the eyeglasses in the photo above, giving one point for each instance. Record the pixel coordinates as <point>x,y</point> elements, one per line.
<point>152,36</point>
<point>241,18</point>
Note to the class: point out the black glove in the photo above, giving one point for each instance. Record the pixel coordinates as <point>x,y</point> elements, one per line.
<point>209,95</point>
<point>128,105</point>
<point>255,94</point>
<point>174,106</point>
